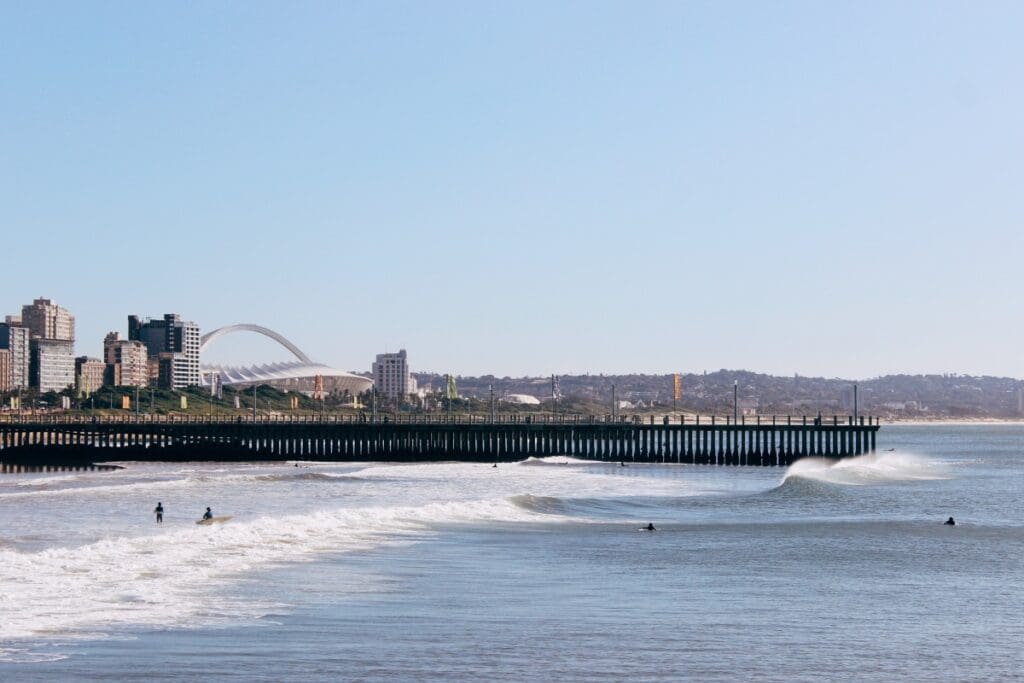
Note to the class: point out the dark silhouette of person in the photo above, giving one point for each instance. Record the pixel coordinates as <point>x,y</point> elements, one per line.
<point>650,527</point>
<point>159,510</point>
<point>208,514</point>
<point>950,522</point>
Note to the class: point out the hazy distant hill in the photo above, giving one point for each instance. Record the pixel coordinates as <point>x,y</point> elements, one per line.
<point>892,395</point>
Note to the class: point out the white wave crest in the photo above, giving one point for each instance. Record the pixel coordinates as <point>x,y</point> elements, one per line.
<point>873,468</point>
<point>555,460</point>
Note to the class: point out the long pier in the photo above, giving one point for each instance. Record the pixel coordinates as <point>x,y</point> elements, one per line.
<point>699,441</point>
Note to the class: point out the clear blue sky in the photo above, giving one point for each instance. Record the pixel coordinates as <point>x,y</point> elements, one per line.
<point>528,187</point>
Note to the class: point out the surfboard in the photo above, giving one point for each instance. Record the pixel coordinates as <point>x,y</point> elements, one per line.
<point>213,520</point>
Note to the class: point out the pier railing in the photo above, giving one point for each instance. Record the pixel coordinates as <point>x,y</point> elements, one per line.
<point>432,419</point>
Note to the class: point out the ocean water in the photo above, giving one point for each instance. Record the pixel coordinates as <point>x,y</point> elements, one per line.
<point>528,571</point>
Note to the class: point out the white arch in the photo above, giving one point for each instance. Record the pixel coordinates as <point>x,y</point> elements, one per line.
<point>210,337</point>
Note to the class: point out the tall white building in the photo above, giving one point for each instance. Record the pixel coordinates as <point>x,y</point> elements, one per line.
<point>52,364</point>
<point>391,375</point>
<point>15,340</point>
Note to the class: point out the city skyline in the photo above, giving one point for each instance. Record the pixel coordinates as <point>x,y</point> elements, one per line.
<point>581,188</point>
<point>256,349</point>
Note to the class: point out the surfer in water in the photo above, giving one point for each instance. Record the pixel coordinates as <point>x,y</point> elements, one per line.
<point>950,522</point>
<point>159,510</point>
<point>649,527</point>
<point>208,514</point>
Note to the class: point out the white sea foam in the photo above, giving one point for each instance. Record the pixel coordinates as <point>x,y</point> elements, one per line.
<point>557,460</point>
<point>99,573</point>
<point>873,468</point>
<point>172,578</point>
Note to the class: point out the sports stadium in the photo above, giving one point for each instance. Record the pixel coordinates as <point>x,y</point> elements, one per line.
<point>299,374</point>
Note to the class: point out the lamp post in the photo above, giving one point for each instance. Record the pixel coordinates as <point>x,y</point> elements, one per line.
<point>449,394</point>
<point>735,400</point>
<point>675,393</point>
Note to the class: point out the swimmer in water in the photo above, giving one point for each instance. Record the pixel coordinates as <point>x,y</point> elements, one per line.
<point>950,522</point>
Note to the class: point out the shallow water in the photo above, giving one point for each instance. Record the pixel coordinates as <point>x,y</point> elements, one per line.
<point>532,570</point>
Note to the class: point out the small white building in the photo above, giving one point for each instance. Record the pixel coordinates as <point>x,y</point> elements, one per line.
<point>391,375</point>
<point>521,399</point>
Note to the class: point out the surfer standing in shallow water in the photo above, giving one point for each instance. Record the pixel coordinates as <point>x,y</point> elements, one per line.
<point>159,510</point>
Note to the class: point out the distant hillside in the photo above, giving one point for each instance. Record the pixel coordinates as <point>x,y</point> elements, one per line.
<point>924,396</point>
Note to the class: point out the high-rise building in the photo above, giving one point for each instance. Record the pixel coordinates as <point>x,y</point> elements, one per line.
<point>51,345</point>
<point>51,364</point>
<point>47,320</point>
<point>15,340</point>
<point>126,361</point>
<point>391,375</point>
<point>5,370</point>
<point>172,346</point>
<point>89,374</point>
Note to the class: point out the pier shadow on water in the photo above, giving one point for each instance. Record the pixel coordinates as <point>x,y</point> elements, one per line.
<point>15,468</point>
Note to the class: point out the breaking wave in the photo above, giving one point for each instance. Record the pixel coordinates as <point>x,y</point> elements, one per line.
<point>589,509</point>
<point>307,476</point>
<point>864,470</point>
